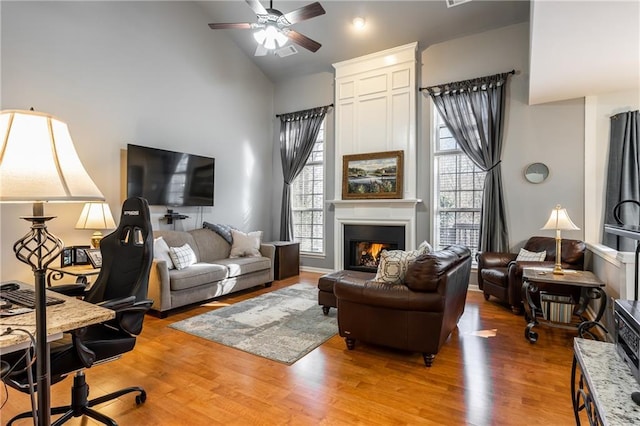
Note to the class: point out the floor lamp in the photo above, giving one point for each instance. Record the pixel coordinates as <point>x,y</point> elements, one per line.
<point>38,164</point>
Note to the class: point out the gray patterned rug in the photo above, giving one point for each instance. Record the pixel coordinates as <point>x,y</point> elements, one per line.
<point>283,325</point>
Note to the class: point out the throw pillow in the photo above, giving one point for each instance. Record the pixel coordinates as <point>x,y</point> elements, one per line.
<point>425,247</point>
<point>531,256</point>
<point>246,245</point>
<point>223,230</point>
<point>182,256</point>
<point>394,264</point>
<point>161,251</point>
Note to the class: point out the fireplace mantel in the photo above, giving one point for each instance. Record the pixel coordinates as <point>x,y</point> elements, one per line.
<point>393,202</point>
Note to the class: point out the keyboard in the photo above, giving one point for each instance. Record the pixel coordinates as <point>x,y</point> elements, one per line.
<point>27,298</point>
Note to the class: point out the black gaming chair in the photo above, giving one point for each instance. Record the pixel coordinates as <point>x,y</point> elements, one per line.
<point>127,255</point>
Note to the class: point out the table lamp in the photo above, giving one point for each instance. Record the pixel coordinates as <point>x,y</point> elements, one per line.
<point>38,164</point>
<point>96,216</point>
<point>560,221</point>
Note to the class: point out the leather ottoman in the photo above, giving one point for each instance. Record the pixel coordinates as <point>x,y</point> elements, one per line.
<point>326,298</point>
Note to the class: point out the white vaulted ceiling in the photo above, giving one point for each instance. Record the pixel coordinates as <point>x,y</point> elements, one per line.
<point>577,47</point>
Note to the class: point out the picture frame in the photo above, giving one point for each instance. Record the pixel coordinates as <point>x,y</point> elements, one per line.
<point>95,257</point>
<point>80,255</point>
<point>374,175</point>
<point>66,257</point>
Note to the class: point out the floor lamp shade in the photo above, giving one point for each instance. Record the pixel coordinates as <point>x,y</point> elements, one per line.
<point>38,161</point>
<point>559,220</point>
<point>38,164</point>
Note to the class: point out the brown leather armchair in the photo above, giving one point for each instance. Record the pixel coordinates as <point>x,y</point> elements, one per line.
<point>416,316</point>
<point>499,274</point>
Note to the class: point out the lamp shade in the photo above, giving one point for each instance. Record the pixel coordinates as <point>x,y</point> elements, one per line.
<point>559,219</point>
<point>96,216</point>
<point>38,161</point>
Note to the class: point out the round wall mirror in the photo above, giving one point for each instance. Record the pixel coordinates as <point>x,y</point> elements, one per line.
<point>536,172</point>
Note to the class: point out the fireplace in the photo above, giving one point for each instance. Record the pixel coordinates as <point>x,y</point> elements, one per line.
<point>364,243</point>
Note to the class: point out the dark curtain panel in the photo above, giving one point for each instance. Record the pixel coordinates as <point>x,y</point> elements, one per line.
<point>298,133</point>
<point>623,176</point>
<point>473,111</point>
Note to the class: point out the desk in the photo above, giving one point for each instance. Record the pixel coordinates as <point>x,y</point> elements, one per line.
<point>81,272</point>
<point>604,386</point>
<point>590,288</point>
<point>71,314</point>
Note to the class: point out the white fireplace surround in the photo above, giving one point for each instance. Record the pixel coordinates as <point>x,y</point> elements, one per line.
<point>373,212</point>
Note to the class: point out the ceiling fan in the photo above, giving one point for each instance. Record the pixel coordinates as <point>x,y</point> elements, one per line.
<point>273,26</point>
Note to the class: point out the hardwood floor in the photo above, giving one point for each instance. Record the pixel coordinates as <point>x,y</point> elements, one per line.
<point>475,380</point>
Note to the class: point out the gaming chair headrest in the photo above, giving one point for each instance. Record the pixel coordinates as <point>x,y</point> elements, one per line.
<point>135,212</point>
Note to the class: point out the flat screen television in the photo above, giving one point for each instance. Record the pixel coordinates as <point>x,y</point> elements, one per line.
<point>169,178</point>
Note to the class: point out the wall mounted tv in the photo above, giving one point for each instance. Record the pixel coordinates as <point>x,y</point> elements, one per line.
<point>169,178</point>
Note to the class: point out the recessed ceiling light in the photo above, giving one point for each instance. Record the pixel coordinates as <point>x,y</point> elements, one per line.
<point>358,23</point>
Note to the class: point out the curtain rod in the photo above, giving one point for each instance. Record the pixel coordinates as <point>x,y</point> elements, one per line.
<point>279,115</point>
<point>447,84</point>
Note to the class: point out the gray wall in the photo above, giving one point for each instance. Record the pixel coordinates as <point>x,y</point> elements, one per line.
<point>149,73</point>
<point>551,133</point>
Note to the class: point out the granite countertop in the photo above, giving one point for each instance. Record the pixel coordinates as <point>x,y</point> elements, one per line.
<point>71,314</point>
<point>610,381</point>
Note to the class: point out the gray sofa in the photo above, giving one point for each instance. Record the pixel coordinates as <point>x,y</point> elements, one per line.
<point>214,274</point>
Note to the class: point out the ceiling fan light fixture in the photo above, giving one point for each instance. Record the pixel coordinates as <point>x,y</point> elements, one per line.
<point>281,39</point>
<point>260,36</point>
<point>270,37</point>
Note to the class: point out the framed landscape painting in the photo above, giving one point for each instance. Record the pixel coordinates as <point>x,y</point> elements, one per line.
<point>372,175</point>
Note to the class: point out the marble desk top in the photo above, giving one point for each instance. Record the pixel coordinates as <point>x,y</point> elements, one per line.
<point>71,314</point>
<point>610,381</point>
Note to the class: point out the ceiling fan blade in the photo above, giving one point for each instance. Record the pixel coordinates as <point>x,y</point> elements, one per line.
<point>261,51</point>
<point>306,12</point>
<point>257,7</point>
<point>303,41</point>
<point>239,26</point>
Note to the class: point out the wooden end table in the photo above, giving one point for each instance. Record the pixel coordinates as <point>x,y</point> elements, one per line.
<point>533,279</point>
<point>287,259</point>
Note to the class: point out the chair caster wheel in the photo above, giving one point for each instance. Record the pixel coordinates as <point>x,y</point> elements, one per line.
<point>530,335</point>
<point>140,399</point>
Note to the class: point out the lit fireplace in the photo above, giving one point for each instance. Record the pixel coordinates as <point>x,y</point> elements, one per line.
<point>364,243</point>
<point>370,253</point>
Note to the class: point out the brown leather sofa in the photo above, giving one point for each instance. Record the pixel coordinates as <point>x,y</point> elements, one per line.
<point>416,316</point>
<point>499,274</point>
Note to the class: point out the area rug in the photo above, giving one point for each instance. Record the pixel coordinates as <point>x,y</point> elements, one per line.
<point>283,325</point>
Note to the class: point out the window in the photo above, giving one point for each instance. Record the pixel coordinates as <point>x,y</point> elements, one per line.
<point>458,185</point>
<point>307,201</point>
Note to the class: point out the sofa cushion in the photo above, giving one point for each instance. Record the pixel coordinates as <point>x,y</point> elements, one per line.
<point>245,244</point>
<point>245,265</point>
<point>211,245</point>
<point>183,256</point>
<point>196,275</point>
